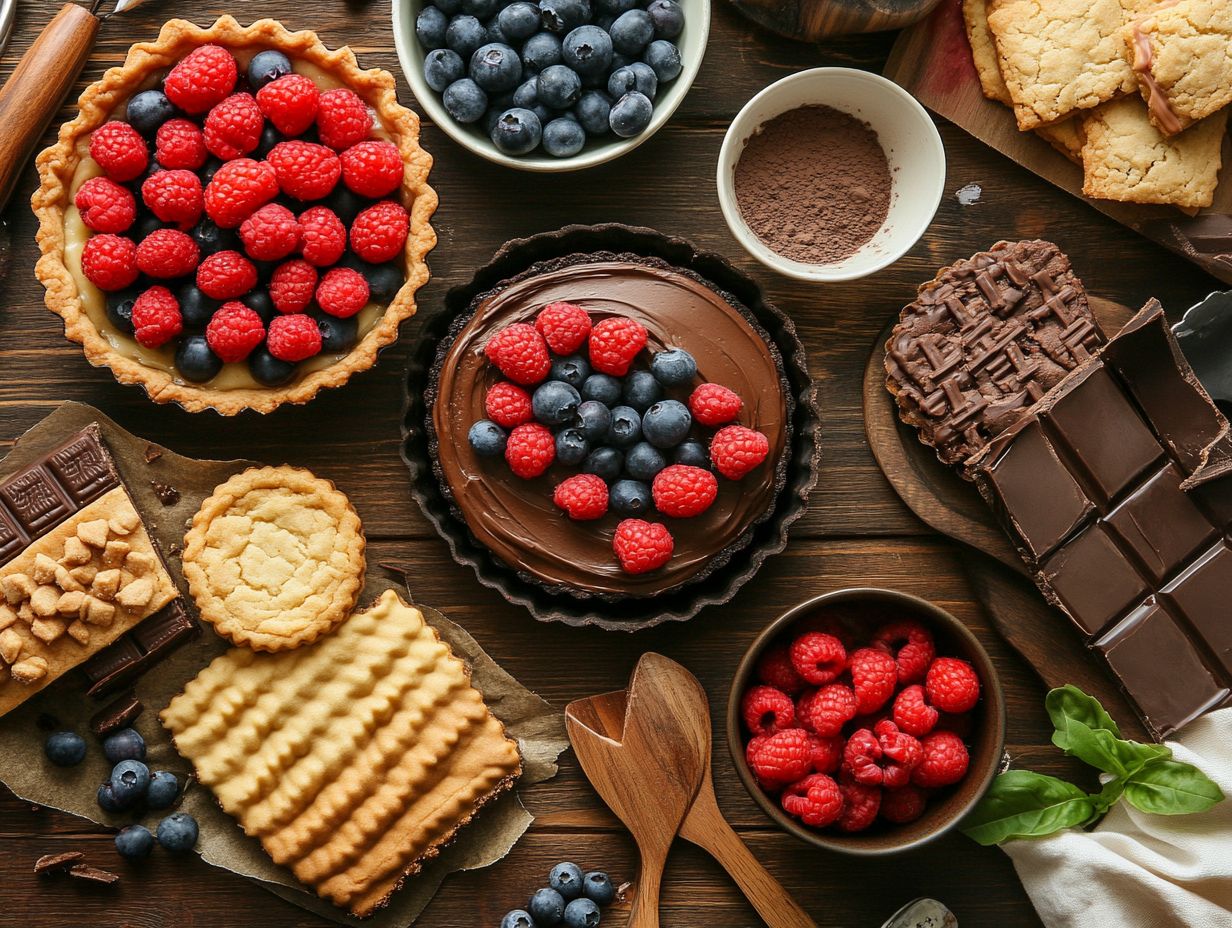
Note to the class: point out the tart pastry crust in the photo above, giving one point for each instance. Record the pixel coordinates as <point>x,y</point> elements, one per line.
<point>58,164</point>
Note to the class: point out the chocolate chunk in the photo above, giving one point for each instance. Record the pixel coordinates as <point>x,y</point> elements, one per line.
<point>93,874</point>
<point>49,863</point>
<point>167,494</point>
<point>152,453</point>
<point>119,714</point>
<point>151,641</point>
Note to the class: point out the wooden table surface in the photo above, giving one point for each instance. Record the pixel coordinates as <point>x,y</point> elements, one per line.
<point>857,532</point>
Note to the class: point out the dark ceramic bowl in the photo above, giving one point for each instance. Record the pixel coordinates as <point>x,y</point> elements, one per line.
<point>862,610</point>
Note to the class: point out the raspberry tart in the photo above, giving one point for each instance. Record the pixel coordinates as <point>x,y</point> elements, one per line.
<point>236,218</point>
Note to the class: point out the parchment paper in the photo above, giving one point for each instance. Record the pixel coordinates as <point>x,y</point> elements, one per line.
<point>538,728</point>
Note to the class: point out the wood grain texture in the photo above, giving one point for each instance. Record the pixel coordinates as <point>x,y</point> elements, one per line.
<point>857,530</point>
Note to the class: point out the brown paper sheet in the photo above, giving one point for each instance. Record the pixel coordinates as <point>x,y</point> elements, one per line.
<point>538,728</point>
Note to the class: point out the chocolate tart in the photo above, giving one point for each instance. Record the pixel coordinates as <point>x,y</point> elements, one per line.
<point>66,165</point>
<point>507,530</point>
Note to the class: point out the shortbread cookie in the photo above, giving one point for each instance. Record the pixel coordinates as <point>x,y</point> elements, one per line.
<point>984,51</point>
<point>1065,136</point>
<point>275,558</point>
<point>354,760</point>
<point>1124,157</point>
<point>1058,56</point>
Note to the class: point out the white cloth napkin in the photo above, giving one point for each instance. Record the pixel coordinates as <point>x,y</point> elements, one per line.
<point>1137,870</point>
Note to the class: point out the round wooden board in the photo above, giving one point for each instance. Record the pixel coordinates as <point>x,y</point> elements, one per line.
<point>813,20</point>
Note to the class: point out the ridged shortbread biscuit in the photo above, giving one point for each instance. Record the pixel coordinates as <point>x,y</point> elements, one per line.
<point>353,760</point>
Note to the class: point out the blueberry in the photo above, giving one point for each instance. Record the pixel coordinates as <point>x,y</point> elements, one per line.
<point>345,203</point>
<point>430,27</point>
<point>563,137</point>
<point>178,832</point>
<point>129,781</point>
<point>571,446</point>
<point>621,81</point>
<point>487,438</point>
<point>546,907</point>
<point>674,367</point>
<point>481,8</point>
<point>602,387</point>
<point>493,32</point>
<point>517,131</point>
<point>667,423</point>
<point>338,336</point>
<point>541,50</point>
<point>65,748</point>
<point>464,35</point>
<point>641,390</point>
<point>496,67</point>
<point>449,7</point>
<point>606,464</point>
<point>615,7</point>
<point>594,419</point>
<point>558,86</point>
<point>664,57</point>
<point>259,302</point>
<point>630,497</point>
<point>563,15</point>
<point>125,744</point>
<point>196,310</point>
<point>211,239</point>
<point>555,402</point>
<point>588,50</point>
<point>573,370</point>
<point>384,280</point>
<point>693,453</point>
<point>519,21</point>
<point>269,138</point>
<point>527,94</point>
<point>643,461</point>
<point>582,913</point>
<point>268,370</point>
<point>632,32</point>
<point>164,787</point>
<point>620,60</point>
<point>266,67</point>
<point>626,429</point>
<point>518,918</point>
<point>442,67</point>
<point>120,309</point>
<point>645,80</point>
<point>209,169</point>
<point>148,110</point>
<point>195,360</point>
<point>592,110</point>
<point>108,801</point>
<point>597,887</point>
<point>631,114</point>
<point>464,100</point>
<point>566,879</point>
<point>145,224</point>
<point>134,842</point>
<point>667,16</point>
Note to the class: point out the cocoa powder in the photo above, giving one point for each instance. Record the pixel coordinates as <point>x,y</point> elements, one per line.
<point>813,184</point>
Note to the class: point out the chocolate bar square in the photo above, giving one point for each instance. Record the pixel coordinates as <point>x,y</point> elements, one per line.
<point>1092,579</point>
<point>12,539</point>
<point>1203,595</point>
<point>83,467</point>
<point>1160,524</point>
<point>36,500</point>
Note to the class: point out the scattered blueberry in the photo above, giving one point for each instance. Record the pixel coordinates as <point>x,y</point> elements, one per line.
<point>338,336</point>
<point>615,7</point>
<point>594,419</point>
<point>674,367</point>
<point>518,918</point>
<point>487,438</point>
<point>108,801</point>
<point>125,744</point>
<point>210,169</point>
<point>563,137</point>
<point>588,50</point>
<point>563,15</point>
<point>211,239</point>
<point>267,370</point>
<point>693,453</point>
<point>605,463</point>
<point>641,390</point>
<point>630,497</point>
<point>632,32</point>
<point>546,907</point>
<point>667,16</point>
<point>664,57</point>
<point>626,429</point>
<point>493,31</point>
<point>464,100</point>
<point>527,94</point>
<point>148,110</point>
<point>566,879</point>
<point>481,8</point>
<point>555,402</point>
<point>65,748</point>
<point>601,387</point>
<point>573,370</point>
<point>631,114</point>
<point>517,131</point>
<point>592,111</point>
<point>178,832</point>
<point>134,842</point>
<point>145,224</point>
<point>270,137</point>
<point>267,66</point>
<point>163,789</point>
<point>465,35</point>
<point>558,86</point>
<point>195,360</point>
<point>666,423</point>
<point>582,913</point>
<point>643,461</point>
<point>442,67</point>
<point>540,51</point>
<point>571,446</point>
<point>626,79</point>
<point>129,781</point>
<point>496,67</point>
<point>519,21</point>
<point>120,309</point>
<point>597,887</point>
<point>259,302</point>
<point>430,27</point>
<point>384,280</point>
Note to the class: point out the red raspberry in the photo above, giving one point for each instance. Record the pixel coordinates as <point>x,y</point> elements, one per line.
<point>174,196</point>
<point>766,710</point>
<point>379,232</point>
<point>816,800</point>
<point>343,119</point>
<point>290,103</point>
<point>323,236</point>
<point>911,645</point>
<point>156,317</point>
<point>713,404</point>
<point>583,496</point>
<point>372,168</point>
<point>944,763</point>
<point>904,805</point>
<point>827,754</point>
<point>819,658</point>
<point>781,758</point>
<point>912,714</point>
<point>342,292</point>
<point>860,806</point>
<point>682,491</point>
<point>508,405</point>
<point>203,79</point>
<point>168,253</point>
<point>293,338</point>
<point>105,206</point>
<point>564,326</point>
<point>862,757</point>
<point>827,710</point>
<point>952,685</point>
<point>271,233</point>
<point>874,676</point>
<point>226,275</point>
<point>642,546</point>
<point>900,753</point>
<point>520,353</point>
<point>119,150</point>
<point>530,451</point>
<point>233,128</point>
<point>305,170</point>
<point>109,262</point>
<point>292,286</point>
<point>238,189</point>
<point>180,144</point>
<point>234,331</point>
<point>775,669</point>
<point>736,450</point>
<point>614,343</point>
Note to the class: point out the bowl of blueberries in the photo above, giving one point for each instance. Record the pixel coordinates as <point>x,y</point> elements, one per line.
<point>550,85</point>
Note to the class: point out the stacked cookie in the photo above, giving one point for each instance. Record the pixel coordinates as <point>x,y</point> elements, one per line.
<point>1134,91</point>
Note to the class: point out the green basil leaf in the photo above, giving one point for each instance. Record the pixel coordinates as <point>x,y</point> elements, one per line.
<point>1107,797</point>
<point>1068,702</point>
<point>1097,747</point>
<point>1170,787</point>
<point>1024,804</point>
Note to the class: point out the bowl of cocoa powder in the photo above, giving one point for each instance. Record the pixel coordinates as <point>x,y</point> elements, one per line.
<point>830,174</point>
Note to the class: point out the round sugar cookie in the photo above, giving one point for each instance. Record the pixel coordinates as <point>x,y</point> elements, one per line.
<point>275,558</point>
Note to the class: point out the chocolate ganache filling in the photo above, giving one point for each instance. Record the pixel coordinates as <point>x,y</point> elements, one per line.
<point>516,519</point>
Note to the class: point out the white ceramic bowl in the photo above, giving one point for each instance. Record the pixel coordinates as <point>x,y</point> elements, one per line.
<point>906,132</point>
<point>692,44</point>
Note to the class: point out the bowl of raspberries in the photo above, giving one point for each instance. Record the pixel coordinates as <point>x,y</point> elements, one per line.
<point>866,721</point>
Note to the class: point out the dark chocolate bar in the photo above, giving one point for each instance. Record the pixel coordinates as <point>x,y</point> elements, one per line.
<point>127,658</point>
<point>117,715</point>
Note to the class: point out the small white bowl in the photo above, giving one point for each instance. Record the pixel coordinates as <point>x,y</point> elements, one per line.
<point>692,44</point>
<point>906,132</point>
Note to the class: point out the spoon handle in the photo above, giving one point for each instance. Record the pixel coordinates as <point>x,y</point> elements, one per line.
<point>645,912</point>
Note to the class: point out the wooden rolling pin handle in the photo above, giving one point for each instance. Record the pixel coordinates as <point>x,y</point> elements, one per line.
<point>33,95</point>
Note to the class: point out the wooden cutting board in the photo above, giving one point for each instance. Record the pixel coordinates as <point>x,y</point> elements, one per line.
<point>932,60</point>
<point>813,20</point>
<point>1044,637</point>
